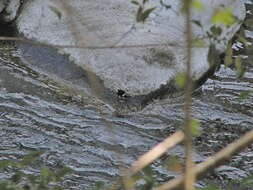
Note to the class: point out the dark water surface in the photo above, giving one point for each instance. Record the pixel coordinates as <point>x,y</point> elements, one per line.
<point>36,113</point>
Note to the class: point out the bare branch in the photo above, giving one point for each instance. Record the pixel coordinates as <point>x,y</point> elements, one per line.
<point>211,162</point>
<point>189,175</point>
<point>32,42</point>
<point>156,152</point>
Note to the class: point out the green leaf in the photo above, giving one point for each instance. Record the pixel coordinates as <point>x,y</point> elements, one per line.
<point>228,57</point>
<point>135,2</point>
<point>238,65</point>
<point>243,95</point>
<point>197,22</point>
<point>247,180</point>
<point>138,15</point>
<point>249,22</point>
<point>16,178</point>
<point>32,178</point>
<point>136,177</point>
<point>45,175</point>
<point>209,187</point>
<point>213,56</point>
<point>148,171</point>
<point>62,172</point>
<point>4,163</point>
<point>244,41</point>
<point>180,79</point>
<point>99,185</point>
<point>56,11</point>
<point>197,4</point>
<point>198,42</point>
<point>223,16</point>
<point>27,159</point>
<point>4,185</point>
<point>174,164</point>
<point>216,30</point>
<point>194,123</point>
<point>145,14</point>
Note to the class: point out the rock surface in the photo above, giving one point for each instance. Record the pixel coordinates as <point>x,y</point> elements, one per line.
<point>138,71</point>
<point>8,10</point>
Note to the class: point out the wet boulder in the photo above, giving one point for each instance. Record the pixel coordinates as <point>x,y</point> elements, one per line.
<point>125,61</point>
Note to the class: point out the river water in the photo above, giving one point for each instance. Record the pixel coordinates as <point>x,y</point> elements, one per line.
<point>37,113</point>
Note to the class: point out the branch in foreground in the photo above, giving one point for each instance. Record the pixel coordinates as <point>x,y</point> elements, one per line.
<point>188,142</point>
<point>212,161</point>
<point>156,152</point>
<point>32,42</point>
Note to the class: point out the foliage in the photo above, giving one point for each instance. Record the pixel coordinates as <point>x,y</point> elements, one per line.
<point>223,15</point>
<point>239,184</point>
<point>46,179</point>
<point>142,13</point>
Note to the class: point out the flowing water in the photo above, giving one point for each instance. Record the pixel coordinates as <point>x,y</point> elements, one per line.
<point>36,113</point>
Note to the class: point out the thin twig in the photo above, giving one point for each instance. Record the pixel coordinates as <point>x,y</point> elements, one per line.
<point>123,36</point>
<point>189,175</point>
<point>32,42</point>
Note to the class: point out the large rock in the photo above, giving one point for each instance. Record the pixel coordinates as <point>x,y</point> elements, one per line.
<point>142,72</point>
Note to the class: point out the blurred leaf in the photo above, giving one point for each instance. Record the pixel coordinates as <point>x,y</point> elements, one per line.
<point>4,185</point>
<point>144,15</point>
<point>136,177</point>
<point>180,79</point>
<point>174,164</point>
<point>198,42</point>
<point>238,62</point>
<point>238,65</point>
<point>216,30</point>
<point>62,172</point>
<point>45,175</point>
<point>148,177</point>
<point>129,182</point>
<point>244,94</point>
<point>223,16</point>
<point>4,163</point>
<point>209,187</point>
<point>99,185</point>
<point>56,11</point>
<point>32,178</point>
<point>27,187</point>
<point>148,171</point>
<point>148,185</point>
<point>249,22</point>
<point>228,57</point>
<point>197,22</point>
<point>195,130</point>
<point>135,2</point>
<point>138,15</point>
<point>56,188</point>
<point>144,1</point>
<point>165,5</point>
<point>213,56</point>
<point>243,40</point>
<point>16,178</point>
<point>248,181</point>
<point>27,159</point>
<point>197,4</point>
